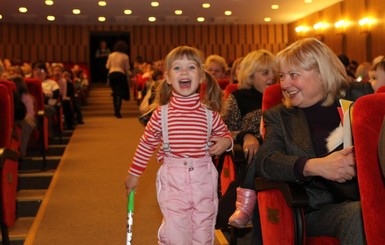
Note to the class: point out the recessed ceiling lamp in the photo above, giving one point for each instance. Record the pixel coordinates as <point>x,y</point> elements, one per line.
<point>155,4</point>
<point>152,19</point>
<point>206,5</point>
<point>127,11</point>
<point>178,12</point>
<point>48,2</point>
<point>267,19</point>
<point>275,6</point>
<point>76,11</point>
<point>228,12</point>
<point>200,19</point>
<point>102,3</point>
<point>23,10</point>
<point>1,16</point>
<point>308,1</point>
<point>101,18</point>
<point>50,17</point>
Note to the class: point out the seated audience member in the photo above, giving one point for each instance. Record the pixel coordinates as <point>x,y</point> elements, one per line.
<point>149,97</point>
<point>346,62</point>
<point>216,65</point>
<point>362,72</point>
<point>51,92</point>
<point>81,84</point>
<point>234,70</point>
<point>377,75</point>
<point>74,97</point>
<point>28,124</point>
<point>242,115</point>
<point>302,143</point>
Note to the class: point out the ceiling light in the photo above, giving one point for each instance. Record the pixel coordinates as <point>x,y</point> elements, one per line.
<point>206,5</point>
<point>50,17</point>
<point>101,18</point>
<point>200,19</point>
<point>23,10</point>
<point>308,1</point>
<point>275,6</point>
<point>152,19</point>
<point>228,12</point>
<point>48,2</point>
<point>155,4</point>
<point>267,19</point>
<point>76,11</point>
<point>1,16</point>
<point>178,12</point>
<point>102,3</point>
<point>127,11</point>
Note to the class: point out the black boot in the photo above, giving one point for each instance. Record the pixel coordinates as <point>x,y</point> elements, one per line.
<point>117,106</point>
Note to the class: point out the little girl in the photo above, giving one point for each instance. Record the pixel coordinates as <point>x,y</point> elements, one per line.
<point>377,75</point>
<point>191,131</point>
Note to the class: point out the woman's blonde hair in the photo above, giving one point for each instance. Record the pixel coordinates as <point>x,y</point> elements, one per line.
<point>211,97</point>
<point>219,60</point>
<point>311,54</point>
<point>254,61</point>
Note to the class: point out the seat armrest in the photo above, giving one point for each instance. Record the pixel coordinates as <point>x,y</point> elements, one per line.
<point>294,193</point>
<point>6,153</point>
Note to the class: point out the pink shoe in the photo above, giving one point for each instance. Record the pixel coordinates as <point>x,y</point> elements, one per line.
<point>246,200</point>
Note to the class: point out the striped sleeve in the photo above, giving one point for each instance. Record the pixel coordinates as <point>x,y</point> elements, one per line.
<point>147,145</point>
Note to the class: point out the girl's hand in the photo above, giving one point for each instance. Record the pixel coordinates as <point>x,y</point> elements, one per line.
<point>250,146</point>
<point>220,145</point>
<point>131,183</point>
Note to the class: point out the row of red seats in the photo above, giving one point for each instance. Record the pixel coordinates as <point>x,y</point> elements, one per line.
<point>9,155</point>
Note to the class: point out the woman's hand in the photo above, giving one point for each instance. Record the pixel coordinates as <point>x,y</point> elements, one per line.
<point>131,183</point>
<point>339,166</point>
<point>250,146</point>
<point>219,145</point>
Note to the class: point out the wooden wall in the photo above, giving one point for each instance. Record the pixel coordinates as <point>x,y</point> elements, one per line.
<point>70,43</point>
<point>358,45</point>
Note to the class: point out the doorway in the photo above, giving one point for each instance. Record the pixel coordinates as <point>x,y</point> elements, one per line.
<point>98,64</point>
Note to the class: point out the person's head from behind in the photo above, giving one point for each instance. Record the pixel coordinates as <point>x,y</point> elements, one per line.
<point>257,70</point>
<point>310,73</point>
<point>362,72</point>
<point>121,46</point>
<point>216,65</point>
<point>21,86</point>
<point>377,75</point>
<point>39,71</point>
<point>184,73</point>
<point>235,69</point>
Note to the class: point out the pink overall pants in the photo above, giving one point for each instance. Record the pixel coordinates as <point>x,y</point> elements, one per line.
<point>187,195</point>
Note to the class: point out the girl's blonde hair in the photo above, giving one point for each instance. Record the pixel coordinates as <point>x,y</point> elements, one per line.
<point>211,96</point>
<point>311,54</point>
<point>254,61</point>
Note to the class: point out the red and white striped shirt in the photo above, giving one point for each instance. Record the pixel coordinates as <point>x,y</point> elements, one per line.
<point>187,132</point>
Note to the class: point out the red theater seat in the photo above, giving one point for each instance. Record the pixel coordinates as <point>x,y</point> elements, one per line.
<point>368,117</point>
<point>8,163</point>
<point>39,138</point>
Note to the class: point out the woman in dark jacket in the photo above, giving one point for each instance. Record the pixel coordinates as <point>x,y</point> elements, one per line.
<point>300,135</point>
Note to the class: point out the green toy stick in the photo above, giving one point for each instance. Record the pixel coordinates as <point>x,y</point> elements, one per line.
<point>130,214</point>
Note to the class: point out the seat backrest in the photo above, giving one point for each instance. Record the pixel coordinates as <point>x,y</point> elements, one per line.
<point>229,89</point>
<point>368,116</point>
<point>223,82</point>
<point>6,115</point>
<point>381,89</point>
<point>11,86</point>
<point>271,96</point>
<point>36,90</point>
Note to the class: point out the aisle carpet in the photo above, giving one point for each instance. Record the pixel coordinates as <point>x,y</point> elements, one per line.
<point>86,202</point>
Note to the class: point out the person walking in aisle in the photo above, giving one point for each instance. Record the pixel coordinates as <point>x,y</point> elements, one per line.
<point>118,65</point>
<point>191,131</point>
